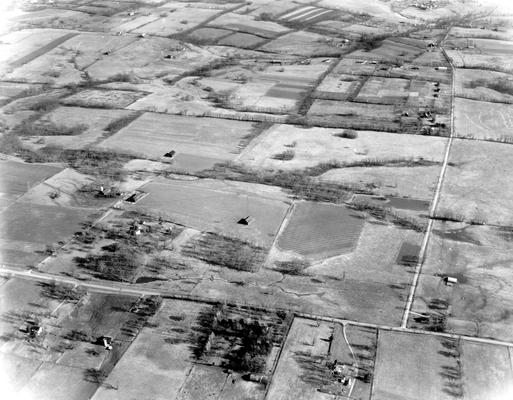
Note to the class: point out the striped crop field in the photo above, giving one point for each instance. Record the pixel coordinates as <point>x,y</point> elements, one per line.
<point>307,14</point>
<point>319,230</point>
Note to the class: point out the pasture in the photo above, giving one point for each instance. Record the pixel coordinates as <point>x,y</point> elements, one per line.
<point>474,187</point>
<point>478,257</point>
<point>312,146</point>
<point>197,204</point>
<point>320,231</point>
<point>181,19</point>
<point>415,182</point>
<point>16,178</point>
<point>496,62</point>
<point>478,84</point>
<point>483,120</point>
<point>242,40</point>
<point>154,135</point>
<point>412,367</point>
<point>305,44</point>
<point>96,121</point>
<point>248,24</point>
<point>26,229</point>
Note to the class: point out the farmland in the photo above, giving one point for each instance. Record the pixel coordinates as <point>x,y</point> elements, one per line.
<point>256,200</point>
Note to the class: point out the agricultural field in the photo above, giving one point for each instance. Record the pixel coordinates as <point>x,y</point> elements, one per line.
<point>483,85</point>
<point>252,200</point>
<point>320,230</point>
<point>197,204</point>
<point>309,147</point>
<point>208,140</point>
<point>478,256</point>
<point>483,120</point>
<point>474,189</point>
<point>16,178</point>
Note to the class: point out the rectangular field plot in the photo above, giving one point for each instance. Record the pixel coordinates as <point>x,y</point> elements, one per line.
<point>154,135</point>
<point>412,367</point>
<point>179,20</point>
<point>321,230</point>
<point>475,188</point>
<point>483,120</point>
<point>479,303</point>
<point>483,85</point>
<point>498,62</point>
<point>247,24</point>
<point>17,178</point>
<point>310,353</point>
<point>216,206</point>
<point>311,146</point>
<point>26,229</point>
<point>103,98</point>
<point>304,44</point>
<point>487,371</point>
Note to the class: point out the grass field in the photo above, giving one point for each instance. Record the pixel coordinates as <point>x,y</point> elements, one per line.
<point>156,134</point>
<point>17,178</point>
<point>416,182</point>
<point>47,226</point>
<point>198,204</point>
<point>242,40</point>
<point>478,256</point>
<point>305,44</point>
<point>411,367</point>
<point>312,146</point>
<point>320,230</point>
<point>474,187</point>
<point>478,84</point>
<point>483,120</point>
<point>247,24</point>
<point>462,59</point>
<point>102,98</point>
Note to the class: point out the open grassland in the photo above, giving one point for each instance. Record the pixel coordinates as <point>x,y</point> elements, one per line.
<point>478,84</point>
<point>312,146</point>
<point>16,178</point>
<point>498,62</point>
<point>410,367</point>
<point>320,230</point>
<point>417,182</point>
<point>103,98</point>
<point>483,120</point>
<point>248,24</point>
<point>157,134</point>
<point>305,44</point>
<point>478,257</point>
<point>474,189</point>
<point>217,206</point>
<point>27,229</point>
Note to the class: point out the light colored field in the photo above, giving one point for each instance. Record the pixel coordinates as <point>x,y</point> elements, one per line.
<point>418,182</point>
<point>145,59</point>
<point>58,382</point>
<point>15,372</point>
<point>17,178</point>
<point>150,369</point>
<point>462,59</point>
<point>465,77</point>
<point>410,367</point>
<point>384,91</point>
<point>487,371</point>
<point>179,20</point>
<point>337,86</point>
<point>197,204</point>
<point>103,98</point>
<point>96,120</point>
<point>243,40</point>
<point>48,225</point>
<point>483,120</point>
<point>66,183</point>
<point>376,8</point>
<point>427,15</point>
<point>460,32</point>
<point>303,344</point>
<point>204,382</point>
<point>247,23</point>
<point>156,134</point>
<point>316,145</point>
<point>321,230</point>
<point>488,47</point>
<point>479,257</point>
<point>475,187</point>
<point>304,44</point>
